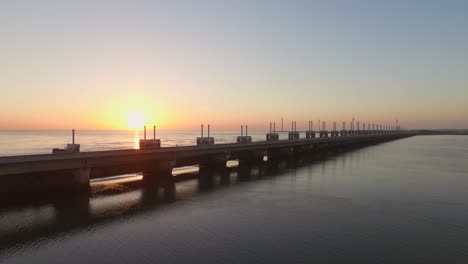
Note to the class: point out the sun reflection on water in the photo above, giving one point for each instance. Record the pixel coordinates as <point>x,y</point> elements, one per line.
<point>136,140</point>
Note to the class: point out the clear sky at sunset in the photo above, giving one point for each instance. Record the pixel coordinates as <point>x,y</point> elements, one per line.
<point>95,64</point>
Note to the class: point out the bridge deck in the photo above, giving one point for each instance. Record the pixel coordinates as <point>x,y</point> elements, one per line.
<point>180,156</point>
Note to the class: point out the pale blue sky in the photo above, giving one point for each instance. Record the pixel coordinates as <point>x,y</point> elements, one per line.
<point>230,61</point>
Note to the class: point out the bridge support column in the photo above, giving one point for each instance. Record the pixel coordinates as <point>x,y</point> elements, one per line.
<point>206,176</point>
<point>207,172</point>
<point>80,178</point>
<point>208,167</point>
<point>248,167</point>
<point>160,177</point>
<point>248,161</point>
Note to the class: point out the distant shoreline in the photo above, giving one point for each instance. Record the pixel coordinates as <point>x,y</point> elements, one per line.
<point>442,132</point>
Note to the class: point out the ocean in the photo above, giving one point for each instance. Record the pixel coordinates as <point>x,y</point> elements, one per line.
<point>404,201</point>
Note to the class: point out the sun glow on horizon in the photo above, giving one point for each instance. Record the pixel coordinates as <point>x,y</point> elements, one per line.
<point>135,120</point>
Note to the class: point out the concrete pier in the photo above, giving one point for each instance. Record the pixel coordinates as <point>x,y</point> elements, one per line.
<point>334,132</point>
<point>150,143</point>
<point>205,140</point>
<point>242,138</point>
<point>323,132</point>
<point>272,135</point>
<point>310,133</point>
<point>69,148</point>
<point>343,131</point>
<point>293,134</point>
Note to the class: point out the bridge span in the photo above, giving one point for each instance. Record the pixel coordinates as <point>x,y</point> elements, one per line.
<point>73,171</point>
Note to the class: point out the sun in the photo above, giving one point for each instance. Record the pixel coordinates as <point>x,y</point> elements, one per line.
<point>135,120</point>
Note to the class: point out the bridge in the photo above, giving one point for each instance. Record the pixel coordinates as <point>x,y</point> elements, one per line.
<point>70,171</point>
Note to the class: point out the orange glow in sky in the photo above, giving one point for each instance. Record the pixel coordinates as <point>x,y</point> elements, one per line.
<point>314,60</point>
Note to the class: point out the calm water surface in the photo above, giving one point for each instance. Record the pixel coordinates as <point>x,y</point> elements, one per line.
<point>404,201</point>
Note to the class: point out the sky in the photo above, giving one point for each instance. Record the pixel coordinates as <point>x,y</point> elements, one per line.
<point>117,64</point>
